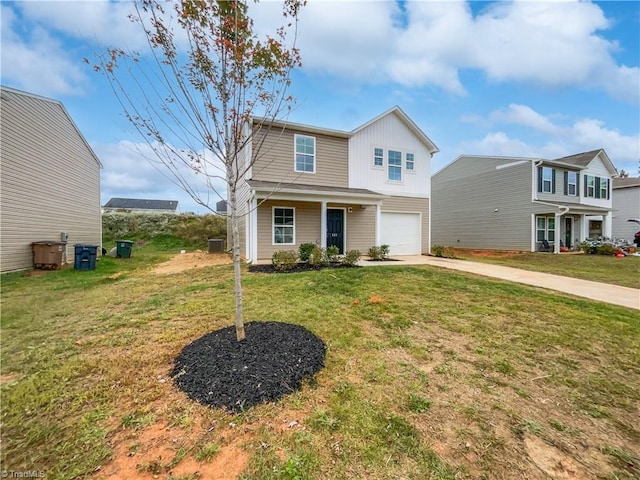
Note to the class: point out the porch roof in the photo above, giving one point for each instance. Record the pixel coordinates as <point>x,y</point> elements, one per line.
<point>579,209</point>
<point>273,189</point>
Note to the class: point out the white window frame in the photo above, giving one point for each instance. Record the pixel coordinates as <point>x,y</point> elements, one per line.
<point>591,186</point>
<point>573,184</point>
<point>548,229</point>
<point>394,166</point>
<point>273,225</point>
<point>546,180</point>
<point>380,157</point>
<point>411,161</point>
<point>296,153</point>
<point>604,188</point>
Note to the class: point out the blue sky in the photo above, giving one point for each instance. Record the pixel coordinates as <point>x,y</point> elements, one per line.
<point>525,78</point>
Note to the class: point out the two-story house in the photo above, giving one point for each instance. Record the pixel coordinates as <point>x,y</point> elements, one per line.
<point>510,203</point>
<point>354,190</point>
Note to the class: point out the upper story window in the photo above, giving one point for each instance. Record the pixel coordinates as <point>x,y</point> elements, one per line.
<point>546,180</point>
<point>395,165</point>
<point>305,154</point>
<point>571,183</point>
<point>590,186</point>
<point>410,164</point>
<point>604,188</point>
<point>378,157</point>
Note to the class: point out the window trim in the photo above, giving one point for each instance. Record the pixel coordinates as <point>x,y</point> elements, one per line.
<point>273,225</point>
<point>413,162</point>
<point>381,157</point>
<point>604,188</point>
<point>546,220</point>
<point>547,180</point>
<point>572,184</point>
<point>590,186</point>
<point>296,153</point>
<point>395,166</point>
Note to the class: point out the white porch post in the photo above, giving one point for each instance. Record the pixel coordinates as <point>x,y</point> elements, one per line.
<point>323,224</point>
<point>253,229</point>
<point>558,229</point>
<point>378,223</point>
<point>607,224</point>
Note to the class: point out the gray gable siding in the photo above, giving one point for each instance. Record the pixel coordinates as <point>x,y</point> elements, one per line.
<point>626,205</point>
<point>466,195</point>
<point>50,181</point>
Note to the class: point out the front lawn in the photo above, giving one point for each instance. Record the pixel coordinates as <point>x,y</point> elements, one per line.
<point>430,374</point>
<point>598,268</point>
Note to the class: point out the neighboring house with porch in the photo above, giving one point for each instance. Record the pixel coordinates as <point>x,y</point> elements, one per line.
<point>512,203</point>
<point>50,180</point>
<point>369,186</point>
<point>626,206</point>
<point>140,205</point>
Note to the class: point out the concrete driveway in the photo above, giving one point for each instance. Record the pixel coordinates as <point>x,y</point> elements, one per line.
<point>603,292</point>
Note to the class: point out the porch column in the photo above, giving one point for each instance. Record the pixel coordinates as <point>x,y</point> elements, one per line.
<point>607,224</point>
<point>323,224</point>
<point>252,234</point>
<point>558,229</point>
<point>378,223</point>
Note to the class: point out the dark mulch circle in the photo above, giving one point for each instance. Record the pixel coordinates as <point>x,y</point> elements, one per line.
<point>218,371</point>
<point>299,267</point>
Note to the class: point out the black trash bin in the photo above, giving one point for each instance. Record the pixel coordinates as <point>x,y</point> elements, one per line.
<point>123,248</point>
<point>85,256</point>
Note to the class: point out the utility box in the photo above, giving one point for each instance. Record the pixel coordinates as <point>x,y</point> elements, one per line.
<point>123,248</point>
<point>216,245</point>
<point>47,254</point>
<point>85,256</point>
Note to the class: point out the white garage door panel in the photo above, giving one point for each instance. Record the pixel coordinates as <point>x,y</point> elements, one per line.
<point>401,231</point>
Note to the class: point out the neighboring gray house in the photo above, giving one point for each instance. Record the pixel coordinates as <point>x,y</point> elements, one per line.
<point>511,203</point>
<point>370,186</point>
<point>140,205</point>
<point>221,207</point>
<point>49,181</point>
<point>626,206</point>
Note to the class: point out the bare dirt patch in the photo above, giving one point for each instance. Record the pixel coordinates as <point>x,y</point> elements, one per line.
<point>188,261</point>
<point>463,252</point>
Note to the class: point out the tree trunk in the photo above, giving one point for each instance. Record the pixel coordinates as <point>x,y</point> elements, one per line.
<point>235,240</point>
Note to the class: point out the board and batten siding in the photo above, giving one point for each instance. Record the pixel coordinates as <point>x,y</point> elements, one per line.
<point>50,180</point>
<point>466,195</point>
<point>388,133</point>
<point>275,160</point>
<point>412,205</point>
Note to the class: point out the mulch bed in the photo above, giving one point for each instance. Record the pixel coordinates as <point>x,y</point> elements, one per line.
<point>299,267</point>
<point>218,371</point>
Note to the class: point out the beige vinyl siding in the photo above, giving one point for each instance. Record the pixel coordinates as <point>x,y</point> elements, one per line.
<point>467,193</point>
<point>414,205</point>
<point>306,220</point>
<point>274,162</point>
<point>360,226</point>
<point>50,180</point>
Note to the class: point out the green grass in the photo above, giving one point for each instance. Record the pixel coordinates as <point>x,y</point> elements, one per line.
<point>444,378</point>
<point>598,268</point>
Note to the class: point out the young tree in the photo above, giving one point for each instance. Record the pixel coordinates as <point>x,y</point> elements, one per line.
<point>195,96</point>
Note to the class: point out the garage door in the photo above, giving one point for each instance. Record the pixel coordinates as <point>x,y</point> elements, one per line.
<point>401,231</point>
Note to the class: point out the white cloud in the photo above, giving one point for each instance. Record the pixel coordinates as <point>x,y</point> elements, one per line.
<point>582,135</point>
<point>38,63</point>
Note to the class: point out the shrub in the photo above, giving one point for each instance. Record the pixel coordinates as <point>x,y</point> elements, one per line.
<point>444,252</point>
<point>384,251</point>
<point>284,260</point>
<point>351,258</point>
<point>606,249</point>
<point>332,253</point>
<point>601,246</point>
<point>317,256</point>
<point>375,253</point>
<point>305,250</point>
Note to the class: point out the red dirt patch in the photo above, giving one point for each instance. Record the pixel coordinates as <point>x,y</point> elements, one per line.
<point>187,261</point>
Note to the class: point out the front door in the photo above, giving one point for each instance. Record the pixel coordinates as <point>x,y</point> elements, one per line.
<point>568,231</point>
<point>335,228</point>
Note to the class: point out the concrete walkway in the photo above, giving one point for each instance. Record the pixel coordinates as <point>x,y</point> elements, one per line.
<point>603,292</point>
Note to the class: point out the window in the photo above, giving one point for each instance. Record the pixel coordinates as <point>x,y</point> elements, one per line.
<point>395,165</point>
<point>410,162</point>
<point>305,154</point>
<point>283,226</point>
<point>378,157</point>
<point>545,229</point>
<point>547,179</point>
<point>604,188</point>
<point>590,187</point>
<point>571,187</point>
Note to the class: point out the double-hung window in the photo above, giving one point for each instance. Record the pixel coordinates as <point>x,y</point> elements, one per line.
<point>547,179</point>
<point>590,187</point>
<point>572,184</point>
<point>546,229</point>
<point>378,157</point>
<point>305,154</point>
<point>410,162</point>
<point>283,226</point>
<point>604,188</point>
<point>395,165</point>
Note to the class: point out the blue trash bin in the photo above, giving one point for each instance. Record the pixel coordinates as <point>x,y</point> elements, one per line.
<point>85,256</point>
